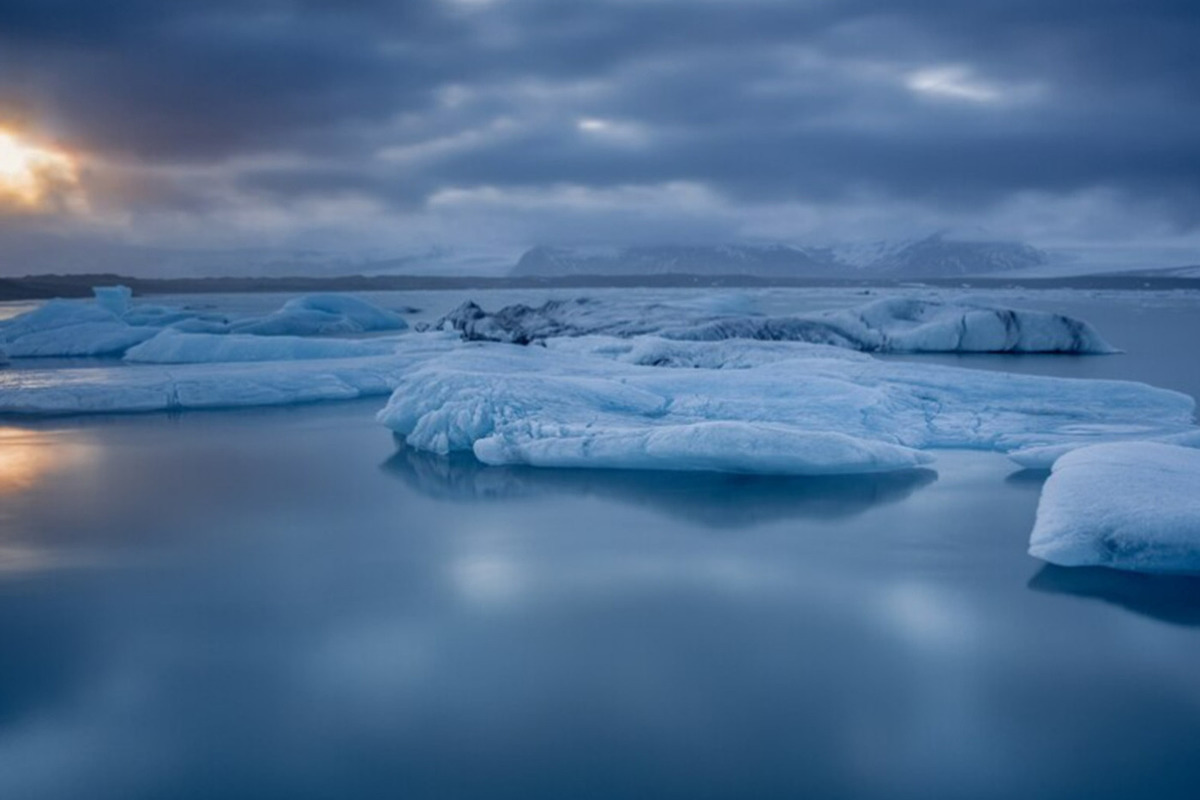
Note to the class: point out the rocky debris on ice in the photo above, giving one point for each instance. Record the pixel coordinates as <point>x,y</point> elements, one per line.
<point>895,325</point>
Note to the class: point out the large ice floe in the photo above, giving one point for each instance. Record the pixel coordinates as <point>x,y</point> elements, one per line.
<point>715,389</point>
<point>111,326</point>
<point>895,325</point>
<point>787,408</point>
<point>1127,505</point>
<point>155,387</point>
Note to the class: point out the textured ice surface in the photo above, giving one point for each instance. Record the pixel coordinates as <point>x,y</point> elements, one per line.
<point>110,326</point>
<point>890,325</point>
<point>113,298</point>
<point>810,411</point>
<point>70,328</point>
<point>1127,505</point>
<point>173,347</point>
<point>140,388</point>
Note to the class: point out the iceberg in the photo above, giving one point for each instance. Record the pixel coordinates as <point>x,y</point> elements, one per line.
<point>807,411</point>
<point>892,325</point>
<point>114,299</point>
<point>906,325</point>
<point>111,326</point>
<point>1125,505</point>
<point>147,388</point>
<point>322,315</point>
<point>69,328</point>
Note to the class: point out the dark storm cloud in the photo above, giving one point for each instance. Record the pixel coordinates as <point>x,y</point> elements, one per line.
<point>762,101</point>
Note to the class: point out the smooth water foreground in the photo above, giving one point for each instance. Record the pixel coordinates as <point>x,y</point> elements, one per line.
<point>285,604</point>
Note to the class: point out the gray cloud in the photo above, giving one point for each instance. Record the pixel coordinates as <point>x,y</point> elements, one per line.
<point>194,112</point>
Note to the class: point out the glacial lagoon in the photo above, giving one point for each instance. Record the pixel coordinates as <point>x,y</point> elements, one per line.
<point>289,603</point>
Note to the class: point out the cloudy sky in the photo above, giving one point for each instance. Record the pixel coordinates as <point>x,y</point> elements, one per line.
<point>395,127</point>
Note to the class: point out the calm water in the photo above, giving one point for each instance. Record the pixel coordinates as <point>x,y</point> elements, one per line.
<point>285,604</point>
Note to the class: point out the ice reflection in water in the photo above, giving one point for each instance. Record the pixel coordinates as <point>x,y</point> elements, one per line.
<point>703,498</point>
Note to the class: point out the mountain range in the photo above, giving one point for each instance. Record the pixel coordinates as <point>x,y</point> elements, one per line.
<point>936,256</point>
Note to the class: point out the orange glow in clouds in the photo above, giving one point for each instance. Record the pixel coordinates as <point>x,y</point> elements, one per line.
<point>29,174</point>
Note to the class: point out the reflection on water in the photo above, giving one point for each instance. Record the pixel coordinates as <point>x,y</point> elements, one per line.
<point>716,500</point>
<point>271,615</point>
<point>1027,477</point>
<point>1170,598</point>
<point>28,457</point>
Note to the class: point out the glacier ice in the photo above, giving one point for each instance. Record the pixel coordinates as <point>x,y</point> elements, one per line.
<point>70,328</point>
<point>810,411</point>
<point>896,325</point>
<point>154,387</point>
<point>323,315</point>
<point>644,402</point>
<point>1126,505</point>
<point>110,326</point>
<point>113,298</point>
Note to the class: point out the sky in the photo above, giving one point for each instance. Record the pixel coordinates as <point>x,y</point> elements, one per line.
<point>488,126</point>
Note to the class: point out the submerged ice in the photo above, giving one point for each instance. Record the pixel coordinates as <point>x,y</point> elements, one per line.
<point>1127,505</point>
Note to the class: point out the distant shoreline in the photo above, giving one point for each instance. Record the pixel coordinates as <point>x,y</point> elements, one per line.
<point>41,287</point>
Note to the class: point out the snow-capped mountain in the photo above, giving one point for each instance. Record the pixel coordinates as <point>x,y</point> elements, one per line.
<point>933,256</point>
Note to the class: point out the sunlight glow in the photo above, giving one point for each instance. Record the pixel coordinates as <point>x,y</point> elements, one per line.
<point>28,457</point>
<point>29,173</point>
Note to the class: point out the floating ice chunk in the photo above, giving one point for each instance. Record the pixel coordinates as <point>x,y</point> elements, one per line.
<point>140,388</point>
<point>323,315</point>
<point>69,328</point>
<point>1127,505</point>
<point>890,325</point>
<point>903,325</point>
<point>113,298</point>
<point>110,326</point>
<point>173,347</point>
<point>805,413</point>
<point>522,324</point>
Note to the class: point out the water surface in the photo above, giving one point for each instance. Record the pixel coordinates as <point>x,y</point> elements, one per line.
<point>287,604</point>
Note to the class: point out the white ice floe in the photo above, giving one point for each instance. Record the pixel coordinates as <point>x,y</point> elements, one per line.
<point>1127,505</point>
<point>173,347</point>
<point>152,387</point>
<point>70,328</point>
<point>894,325</point>
<point>111,325</point>
<point>807,411</point>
